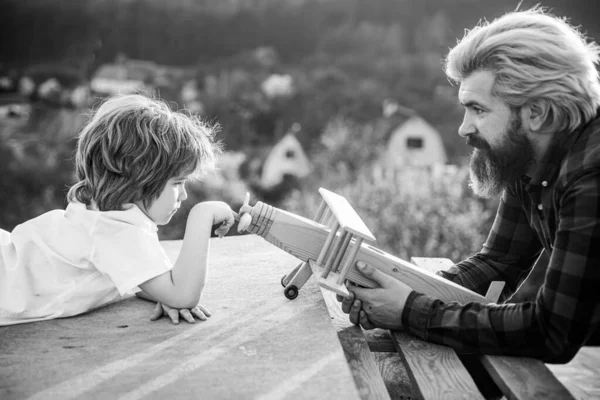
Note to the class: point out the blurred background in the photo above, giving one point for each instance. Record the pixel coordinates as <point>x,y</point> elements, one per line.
<point>348,95</point>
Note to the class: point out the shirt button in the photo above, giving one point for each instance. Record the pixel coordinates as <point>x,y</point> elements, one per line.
<point>545,183</point>
<point>540,207</point>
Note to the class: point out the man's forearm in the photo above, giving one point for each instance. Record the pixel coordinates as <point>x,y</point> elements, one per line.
<point>477,272</point>
<point>477,328</point>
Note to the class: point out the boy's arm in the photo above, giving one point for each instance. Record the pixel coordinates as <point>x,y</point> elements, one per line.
<point>161,310</point>
<point>144,296</point>
<point>182,286</point>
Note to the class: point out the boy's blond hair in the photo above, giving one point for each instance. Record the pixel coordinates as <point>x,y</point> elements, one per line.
<point>132,146</point>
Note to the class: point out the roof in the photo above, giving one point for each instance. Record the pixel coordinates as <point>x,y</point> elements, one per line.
<point>121,72</point>
<point>388,125</point>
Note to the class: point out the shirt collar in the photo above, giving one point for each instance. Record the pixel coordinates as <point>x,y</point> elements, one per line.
<point>131,214</point>
<point>547,168</point>
<point>141,218</point>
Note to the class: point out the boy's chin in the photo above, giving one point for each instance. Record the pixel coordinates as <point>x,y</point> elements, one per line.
<point>164,221</point>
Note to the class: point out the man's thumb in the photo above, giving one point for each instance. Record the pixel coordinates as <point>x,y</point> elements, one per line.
<point>373,273</point>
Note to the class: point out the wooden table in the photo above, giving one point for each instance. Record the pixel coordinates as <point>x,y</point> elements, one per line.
<point>257,344</point>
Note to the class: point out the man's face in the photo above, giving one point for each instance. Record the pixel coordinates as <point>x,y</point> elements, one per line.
<point>502,151</point>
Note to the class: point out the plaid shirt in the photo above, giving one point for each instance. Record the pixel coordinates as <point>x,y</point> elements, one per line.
<point>558,209</point>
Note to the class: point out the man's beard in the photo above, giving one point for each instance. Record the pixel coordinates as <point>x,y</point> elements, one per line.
<point>493,170</point>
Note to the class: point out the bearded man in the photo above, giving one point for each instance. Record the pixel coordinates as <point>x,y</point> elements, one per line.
<point>531,94</point>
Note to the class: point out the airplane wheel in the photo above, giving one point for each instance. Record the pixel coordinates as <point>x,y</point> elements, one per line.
<point>291,292</point>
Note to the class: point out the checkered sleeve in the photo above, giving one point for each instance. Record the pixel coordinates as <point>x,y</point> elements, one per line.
<point>507,255</point>
<point>566,311</point>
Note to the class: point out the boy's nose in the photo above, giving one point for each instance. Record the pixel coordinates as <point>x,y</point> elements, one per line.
<point>183,194</point>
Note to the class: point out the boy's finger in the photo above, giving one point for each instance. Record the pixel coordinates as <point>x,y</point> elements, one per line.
<point>204,310</point>
<point>221,231</point>
<point>198,313</point>
<point>157,312</point>
<point>187,316</point>
<point>174,315</point>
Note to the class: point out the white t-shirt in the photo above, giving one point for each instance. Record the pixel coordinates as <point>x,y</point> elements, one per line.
<point>66,262</point>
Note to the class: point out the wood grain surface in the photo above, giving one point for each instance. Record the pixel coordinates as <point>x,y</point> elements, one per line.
<point>345,214</point>
<point>256,345</point>
<point>517,377</point>
<point>364,368</point>
<point>305,238</point>
<point>438,371</point>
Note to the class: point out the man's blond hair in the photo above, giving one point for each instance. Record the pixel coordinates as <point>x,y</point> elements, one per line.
<point>534,55</point>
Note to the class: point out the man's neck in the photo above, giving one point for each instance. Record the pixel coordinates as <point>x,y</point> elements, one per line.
<point>540,143</point>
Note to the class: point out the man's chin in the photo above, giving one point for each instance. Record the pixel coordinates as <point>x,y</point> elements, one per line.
<point>484,190</point>
<point>484,187</point>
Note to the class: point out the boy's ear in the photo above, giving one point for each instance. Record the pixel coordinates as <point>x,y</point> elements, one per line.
<point>535,114</point>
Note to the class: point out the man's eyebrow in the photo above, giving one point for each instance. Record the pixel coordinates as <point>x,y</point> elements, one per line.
<point>471,103</point>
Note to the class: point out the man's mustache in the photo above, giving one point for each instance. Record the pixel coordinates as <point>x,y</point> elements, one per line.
<point>477,142</point>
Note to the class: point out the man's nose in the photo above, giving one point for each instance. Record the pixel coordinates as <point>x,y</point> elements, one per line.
<point>466,128</point>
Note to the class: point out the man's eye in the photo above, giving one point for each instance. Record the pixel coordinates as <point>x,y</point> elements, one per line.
<point>477,110</point>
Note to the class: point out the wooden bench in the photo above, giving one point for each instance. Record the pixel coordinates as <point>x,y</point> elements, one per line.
<point>397,365</point>
<point>409,368</point>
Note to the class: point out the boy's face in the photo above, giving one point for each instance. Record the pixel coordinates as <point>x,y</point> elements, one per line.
<point>166,205</point>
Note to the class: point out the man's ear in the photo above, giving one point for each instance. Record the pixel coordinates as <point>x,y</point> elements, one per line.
<point>535,114</point>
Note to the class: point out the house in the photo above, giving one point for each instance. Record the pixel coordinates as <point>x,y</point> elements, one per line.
<point>278,86</point>
<point>238,173</point>
<point>18,111</point>
<point>287,157</point>
<point>225,182</point>
<point>111,79</point>
<point>410,141</point>
<point>124,76</point>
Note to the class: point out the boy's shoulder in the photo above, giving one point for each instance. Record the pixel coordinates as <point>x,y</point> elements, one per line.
<point>43,220</point>
<point>77,220</point>
<point>131,217</point>
<point>51,231</point>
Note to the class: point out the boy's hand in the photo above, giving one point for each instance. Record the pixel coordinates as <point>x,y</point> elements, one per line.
<point>222,214</point>
<point>161,310</point>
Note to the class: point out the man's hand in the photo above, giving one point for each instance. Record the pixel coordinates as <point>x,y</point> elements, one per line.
<point>161,309</point>
<point>376,308</point>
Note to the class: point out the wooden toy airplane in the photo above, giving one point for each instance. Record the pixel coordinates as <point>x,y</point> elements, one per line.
<point>331,246</point>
